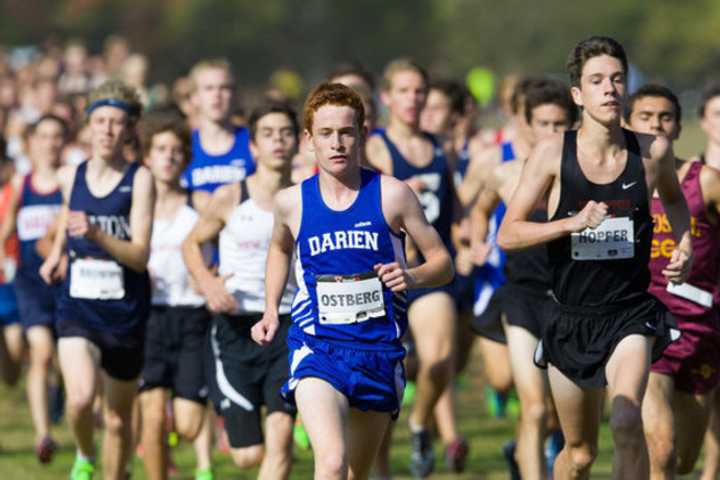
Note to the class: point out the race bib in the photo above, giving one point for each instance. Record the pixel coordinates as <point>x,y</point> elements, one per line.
<point>345,299</point>
<point>94,279</point>
<point>613,239</point>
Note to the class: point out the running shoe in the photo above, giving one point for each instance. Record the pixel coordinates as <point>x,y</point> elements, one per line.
<point>204,474</point>
<point>56,403</point>
<point>409,394</point>
<point>456,454</point>
<point>553,446</point>
<point>82,470</point>
<point>422,458</point>
<point>495,402</point>
<point>508,451</point>
<point>300,435</point>
<point>45,449</point>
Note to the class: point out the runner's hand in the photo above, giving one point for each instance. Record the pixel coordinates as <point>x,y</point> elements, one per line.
<point>678,269</point>
<point>481,252</point>
<point>264,331</point>
<point>417,185</point>
<point>464,261</point>
<point>589,217</point>
<point>393,277</point>
<point>79,225</point>
<point>61,270</point>
<point>218,299</point>
<point>49,269</point>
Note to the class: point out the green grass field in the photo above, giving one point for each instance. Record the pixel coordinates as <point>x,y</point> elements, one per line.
<point>486,436</point>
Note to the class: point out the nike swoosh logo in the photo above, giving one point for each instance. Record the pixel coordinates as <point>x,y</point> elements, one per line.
<point>625,186</point>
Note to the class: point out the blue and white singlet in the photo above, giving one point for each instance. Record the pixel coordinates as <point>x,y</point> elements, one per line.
<point>339,298</point>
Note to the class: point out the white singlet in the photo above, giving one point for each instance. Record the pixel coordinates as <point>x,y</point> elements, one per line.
<point>244,244</point>
<point>170,279</point>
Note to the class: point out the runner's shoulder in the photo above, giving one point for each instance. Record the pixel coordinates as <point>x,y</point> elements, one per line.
<point>288,199</point>
<point>547,154</point>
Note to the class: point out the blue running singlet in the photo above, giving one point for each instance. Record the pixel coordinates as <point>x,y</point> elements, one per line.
<point>492,275</point>
<point>437,201</point>
<point>207,172</point>
<point>339,298</point>
<point>99,292</point>
<point>36,214</point>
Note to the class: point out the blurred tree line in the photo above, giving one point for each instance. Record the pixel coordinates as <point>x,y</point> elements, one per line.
<point>669,40</point>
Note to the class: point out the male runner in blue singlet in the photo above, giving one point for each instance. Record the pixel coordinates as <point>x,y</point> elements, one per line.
<point>220,150</point>
<point>348,315</point>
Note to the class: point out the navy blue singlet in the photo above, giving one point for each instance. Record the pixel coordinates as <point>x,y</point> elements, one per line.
<point>120,316</point>
<point>437,201</point>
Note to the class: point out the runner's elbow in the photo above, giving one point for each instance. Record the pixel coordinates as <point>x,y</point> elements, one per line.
<point>505,239</point>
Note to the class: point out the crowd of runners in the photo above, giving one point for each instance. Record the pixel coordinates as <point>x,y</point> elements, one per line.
<point>173,266</point>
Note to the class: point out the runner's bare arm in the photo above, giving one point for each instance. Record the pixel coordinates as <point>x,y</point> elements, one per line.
<point>9,222</point>
<point>48,270</point>
<point>132,253</point>
<point>480,166</point>
<point>206,229</point>
<point>402,208</point>
<point>538,174</point>
<point>200,200</point>
<point>676,208</point>
<point>480,215</point>
<point>277,269</point>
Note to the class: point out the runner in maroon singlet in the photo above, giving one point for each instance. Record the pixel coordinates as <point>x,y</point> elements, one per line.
<point>677,401</point>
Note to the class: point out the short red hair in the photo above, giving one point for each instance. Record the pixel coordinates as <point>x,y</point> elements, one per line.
<point>332,94</point>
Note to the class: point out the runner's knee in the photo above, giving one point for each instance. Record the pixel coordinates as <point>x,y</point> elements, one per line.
<point>662,449</point>
<point>115,422</point>
<point>626,421</point>
<point>153,418</point>
<point>331,465</point>
<point>535,412</point>
<point>188,426</point>
<point>248,457</point>
<point>79,399</point>
<point>582,457</point>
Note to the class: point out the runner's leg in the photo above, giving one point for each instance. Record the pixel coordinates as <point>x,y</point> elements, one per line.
<point>155,453</point>
<point>41,342</point>
<point>324,411</point>
<point>12,345</point>
<point>277,459</point>
<point>79,360</point>
<point>627,374</point>
<point>532,389</point>
<point>365,433</point>
<point>579,412</point>
<point>117,439</point>
<point>432,319</point>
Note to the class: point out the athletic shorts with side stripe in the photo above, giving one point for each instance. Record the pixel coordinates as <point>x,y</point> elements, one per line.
<point>243,376</point>
<point>371,379</point>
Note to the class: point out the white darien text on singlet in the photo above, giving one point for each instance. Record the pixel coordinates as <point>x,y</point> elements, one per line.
<point>170,279</point>
<point>244,244</point>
